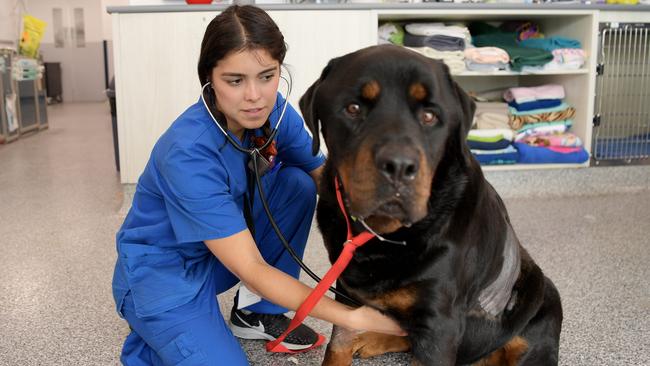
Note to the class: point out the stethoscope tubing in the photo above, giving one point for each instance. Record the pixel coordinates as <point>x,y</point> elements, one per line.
<point>255,154</point>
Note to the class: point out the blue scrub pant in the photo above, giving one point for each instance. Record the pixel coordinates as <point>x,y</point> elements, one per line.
<point>196,333</point>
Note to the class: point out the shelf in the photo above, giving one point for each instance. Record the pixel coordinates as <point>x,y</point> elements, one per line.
<point>505,167</point>
<point>516,73</point>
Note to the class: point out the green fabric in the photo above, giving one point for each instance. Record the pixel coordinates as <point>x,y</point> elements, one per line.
<point>493,138</point>
<point>485,35</point>
<point>397,37</point>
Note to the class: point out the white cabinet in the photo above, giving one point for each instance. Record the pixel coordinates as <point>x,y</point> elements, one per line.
<point>579,84</point>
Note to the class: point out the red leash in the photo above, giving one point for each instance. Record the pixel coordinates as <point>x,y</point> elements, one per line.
<point>350,245</point>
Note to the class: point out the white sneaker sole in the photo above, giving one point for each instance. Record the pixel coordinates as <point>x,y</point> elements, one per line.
<point>249,333</point>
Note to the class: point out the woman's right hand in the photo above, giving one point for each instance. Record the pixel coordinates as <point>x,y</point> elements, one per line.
<point>368,319</point>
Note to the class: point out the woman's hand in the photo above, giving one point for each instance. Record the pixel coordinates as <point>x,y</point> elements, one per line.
<point>369,319</point>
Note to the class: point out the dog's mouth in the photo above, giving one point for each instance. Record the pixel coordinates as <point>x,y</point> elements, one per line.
<point>390,215</point>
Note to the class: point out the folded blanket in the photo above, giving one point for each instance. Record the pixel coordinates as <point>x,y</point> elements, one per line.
<point>495,107</point>
<point>496,145</point>
<point>491,120</point>
<point>509,155</point>
<point>491,135</point>
<point>486,55</point>
<point>391,33</point>
<point>485,35</point>
<point>569,55</point>
<point>529,94</point>
<point>430,29</point>
<point>563,59</point>
<point>562,112</point>
<point>544,155</point>
<point>566,139</point>
<point>543,128</point>
<point>536,104</point>
<point>480,67</point>
<point>453,59</point>
<point>551,43</point>
<point>438,42</point>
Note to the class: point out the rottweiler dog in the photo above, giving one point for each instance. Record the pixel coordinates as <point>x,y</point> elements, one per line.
<point>455,276</point>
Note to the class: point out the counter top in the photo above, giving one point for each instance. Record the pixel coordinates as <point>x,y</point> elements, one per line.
<point>380,6</point>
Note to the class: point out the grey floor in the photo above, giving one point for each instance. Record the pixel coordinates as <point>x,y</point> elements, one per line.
<point>61,203</point>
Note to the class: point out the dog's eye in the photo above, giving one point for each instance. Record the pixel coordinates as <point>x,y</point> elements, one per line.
<point>428,118</point>
<point>353,110</point>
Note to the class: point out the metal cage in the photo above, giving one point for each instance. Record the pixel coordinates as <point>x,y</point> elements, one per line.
<point>622,120</point>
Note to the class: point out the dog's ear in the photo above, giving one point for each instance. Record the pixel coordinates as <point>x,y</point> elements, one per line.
<point>467,107</point>
<point>309,112</point>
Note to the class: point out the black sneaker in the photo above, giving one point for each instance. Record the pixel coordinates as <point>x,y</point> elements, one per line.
<point>248,325</point>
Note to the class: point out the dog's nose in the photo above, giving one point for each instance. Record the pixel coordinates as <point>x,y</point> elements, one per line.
<point>398,165</point>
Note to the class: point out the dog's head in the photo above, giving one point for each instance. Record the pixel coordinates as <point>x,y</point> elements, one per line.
<point>389,116</point>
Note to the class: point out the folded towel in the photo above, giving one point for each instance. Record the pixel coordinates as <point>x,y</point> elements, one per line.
<point>536,104</point>
<point>496,145</point>
<point>494,107</point>
<point>566,139</point>
<point>491,120</point>
<point>563,59</point>
<point>480,67</point>
<point>509,155</point>
<point>545,155</point>
<point>430,29</point>
<point>391,33</point>
<point>551,43</point>
<point>486,55</point>
<point>562,112</point>
<point>438,42</point>
<point>529,94</point>
<point>491,135</point>
<point>453,59</point>
<point>544,128</point>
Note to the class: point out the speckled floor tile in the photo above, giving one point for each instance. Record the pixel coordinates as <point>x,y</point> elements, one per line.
<point>61,204</point>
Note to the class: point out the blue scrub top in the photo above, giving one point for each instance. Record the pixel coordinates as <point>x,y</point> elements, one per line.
<point>192,189</point>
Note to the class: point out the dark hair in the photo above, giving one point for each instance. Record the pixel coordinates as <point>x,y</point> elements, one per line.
<point>239,28</point>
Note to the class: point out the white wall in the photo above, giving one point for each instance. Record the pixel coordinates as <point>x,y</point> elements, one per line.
<point>82,68</point>
<point>9,22</point>
<point>107,23</point>
<point>42,9</point>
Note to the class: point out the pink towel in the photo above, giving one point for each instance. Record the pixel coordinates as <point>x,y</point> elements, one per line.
<point>487,55</point>
<point>523,94</point>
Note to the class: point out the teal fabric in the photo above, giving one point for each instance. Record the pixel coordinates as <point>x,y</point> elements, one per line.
<point>551,43</point>
<point>485,35</point>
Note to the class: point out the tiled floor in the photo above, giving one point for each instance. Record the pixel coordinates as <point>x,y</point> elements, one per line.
<point>61,203</point>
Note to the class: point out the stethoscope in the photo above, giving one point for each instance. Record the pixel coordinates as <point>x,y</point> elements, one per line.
<point>257,159</point>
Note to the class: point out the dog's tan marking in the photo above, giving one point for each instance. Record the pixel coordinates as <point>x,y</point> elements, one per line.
<point>423,181</point>
<point>371,344</point>
<point>508,355</point>
<point>418,91</point>
<point>345,343</point>
<point>401,299</point>
<point>371,90</point>
<point>358,178</point>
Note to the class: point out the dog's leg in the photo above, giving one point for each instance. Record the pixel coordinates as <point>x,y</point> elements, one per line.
<point>340,349</point>
<point>508,355</point>
<point>345,343</point>
<point>373,344</point>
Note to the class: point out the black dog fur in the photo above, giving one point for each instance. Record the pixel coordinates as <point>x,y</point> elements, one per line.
<point>457,234</point>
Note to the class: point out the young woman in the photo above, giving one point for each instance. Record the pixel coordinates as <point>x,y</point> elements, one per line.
<point>195,229</point>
